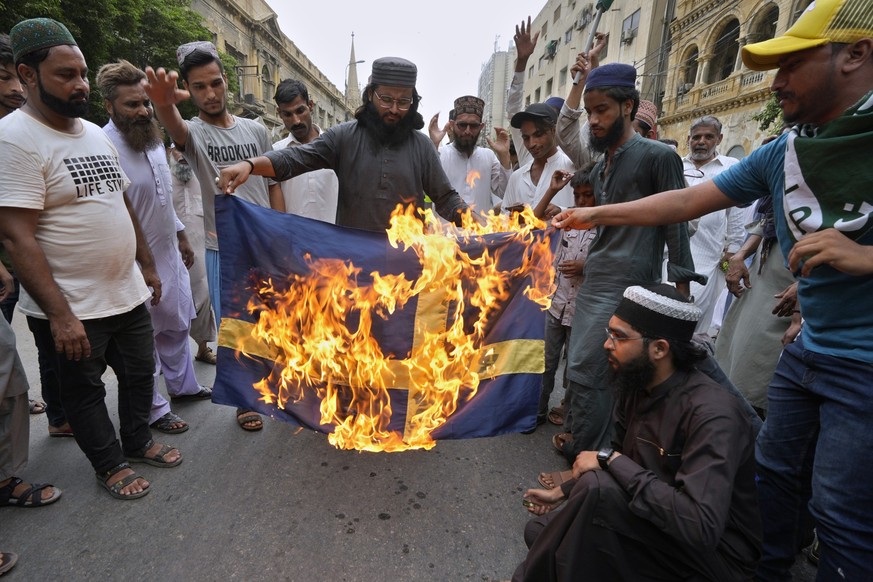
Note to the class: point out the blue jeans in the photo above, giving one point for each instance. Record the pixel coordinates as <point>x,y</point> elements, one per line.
<point>124,342</point>
<point>816,447</point>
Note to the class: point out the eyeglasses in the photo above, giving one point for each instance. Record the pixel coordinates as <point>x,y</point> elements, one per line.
<point>386,102</point>
<point>614,338</point>
<point>463,126</point>
<point>695,174</point>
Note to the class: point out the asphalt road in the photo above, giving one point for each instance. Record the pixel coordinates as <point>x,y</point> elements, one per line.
<point>279,504</point>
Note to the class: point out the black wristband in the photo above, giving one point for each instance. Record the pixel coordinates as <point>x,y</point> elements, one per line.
<point>252,164</point>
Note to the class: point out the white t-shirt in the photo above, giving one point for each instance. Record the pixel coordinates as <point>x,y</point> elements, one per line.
<point>313,194</point>
<point>84,227</point>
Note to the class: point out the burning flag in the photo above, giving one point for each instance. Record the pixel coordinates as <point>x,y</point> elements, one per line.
<point>385,341</point>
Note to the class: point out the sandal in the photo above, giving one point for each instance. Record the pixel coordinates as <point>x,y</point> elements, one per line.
<point>244,417</point>
<point>556,415</point>
<point>561,439</point>
<point>206,356</point>
<point>555,478</point>
<point>36,406</point>
<point>115,489</point>
<point>157,460</point>
<point>31,497</point>
<point>169,424</point>
<point>65,430</point>
<point>204,393</point>
<point>7,561</point>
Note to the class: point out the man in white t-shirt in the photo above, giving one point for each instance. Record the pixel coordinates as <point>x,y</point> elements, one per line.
<point>313,194</point>
<point>211,141</point>
<point>75,244</point>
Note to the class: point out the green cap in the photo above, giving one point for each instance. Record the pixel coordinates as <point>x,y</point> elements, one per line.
<point>38,33</point>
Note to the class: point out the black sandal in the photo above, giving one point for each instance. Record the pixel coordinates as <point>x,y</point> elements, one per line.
<point>31,496</point>
<point>115,488</point>
<point>158,459</point>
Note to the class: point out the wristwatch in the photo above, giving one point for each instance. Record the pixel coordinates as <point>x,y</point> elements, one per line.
<point>603,458</point>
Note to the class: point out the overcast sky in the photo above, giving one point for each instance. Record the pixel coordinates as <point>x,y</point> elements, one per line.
<point>448,40</point>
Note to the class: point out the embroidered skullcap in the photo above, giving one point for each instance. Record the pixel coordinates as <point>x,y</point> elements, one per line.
<point>532,113</point>
<point>393,72</point>
<point>186,50</point>
<point>555,102</point>
<point>469,104</point>
<point>825,21</point>
<point>38,33</point>
<point>648,113</point>
<point>612,75</point>
<point>659,311</point>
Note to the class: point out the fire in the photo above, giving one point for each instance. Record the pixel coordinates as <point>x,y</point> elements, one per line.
<point>472,178</point>
<point>320,327</point>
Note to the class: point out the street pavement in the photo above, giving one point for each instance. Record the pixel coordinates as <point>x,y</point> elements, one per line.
<point>279,504</point>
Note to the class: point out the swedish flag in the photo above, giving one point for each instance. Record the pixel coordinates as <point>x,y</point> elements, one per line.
<point>259,244</point>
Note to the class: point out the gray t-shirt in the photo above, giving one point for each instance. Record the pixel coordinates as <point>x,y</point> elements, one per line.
<point>211,148</point>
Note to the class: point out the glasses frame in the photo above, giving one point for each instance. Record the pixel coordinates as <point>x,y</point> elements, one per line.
<point>463,126</point>
<point>387,102</point>
<point>610,335</point>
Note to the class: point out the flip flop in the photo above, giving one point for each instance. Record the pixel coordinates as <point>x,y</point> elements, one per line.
<point>243,416</point>
<point>556,477</point>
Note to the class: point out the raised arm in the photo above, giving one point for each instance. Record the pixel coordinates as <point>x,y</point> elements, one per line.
<point>164,92</point>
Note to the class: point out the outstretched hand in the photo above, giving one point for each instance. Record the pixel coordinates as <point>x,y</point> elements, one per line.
<point>578,218</point>
<point>524,43</point>
<point>233,176</point>
<point>162,87</point>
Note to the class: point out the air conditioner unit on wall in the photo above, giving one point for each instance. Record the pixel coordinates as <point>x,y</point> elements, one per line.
<point>628,35</point>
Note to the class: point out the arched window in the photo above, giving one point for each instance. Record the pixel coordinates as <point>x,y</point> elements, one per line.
<point>725,51</point>
<point>267,85</point>
<point>800,7</point>
<point>689,65</point>
<point>764,24</point>
<point>738,152</point>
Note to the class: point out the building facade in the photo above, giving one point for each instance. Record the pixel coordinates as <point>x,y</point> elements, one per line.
<point>249,31</point>
<point>706,75</point>
<point>493,85</point>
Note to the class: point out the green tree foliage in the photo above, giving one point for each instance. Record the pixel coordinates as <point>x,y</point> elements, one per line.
<point>770,117</point>
<point>145,32</point>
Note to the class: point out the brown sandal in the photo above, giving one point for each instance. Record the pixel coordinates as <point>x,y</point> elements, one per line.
<point>560,439</point>
<point>554,478</point>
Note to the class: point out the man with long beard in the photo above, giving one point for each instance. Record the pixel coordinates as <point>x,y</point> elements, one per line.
<point>75,245</point>
<point>631,168</point>
<point>478,174</point>
<point>380,159</point>
<point>136,135</point>
<point>673,497</point>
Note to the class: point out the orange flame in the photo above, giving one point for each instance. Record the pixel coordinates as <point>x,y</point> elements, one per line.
<point>472,178</point>
<point>321,348</point>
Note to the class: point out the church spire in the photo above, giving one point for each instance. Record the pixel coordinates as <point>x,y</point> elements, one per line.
<point>353,91</point>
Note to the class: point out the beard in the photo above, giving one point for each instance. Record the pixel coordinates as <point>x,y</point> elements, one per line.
<point>702,155</point>
<point>612,137</point>
<point>181,170</point>
<point>466,144</point>
<point>632,377</point>
<point>141,135</point>
<point>388,135</point>
<point>69,108</point>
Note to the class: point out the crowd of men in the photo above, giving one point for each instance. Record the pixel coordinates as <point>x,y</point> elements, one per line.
<point>673,476</point>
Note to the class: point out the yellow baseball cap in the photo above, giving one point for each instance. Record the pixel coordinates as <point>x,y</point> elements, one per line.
<point>825,21</point>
